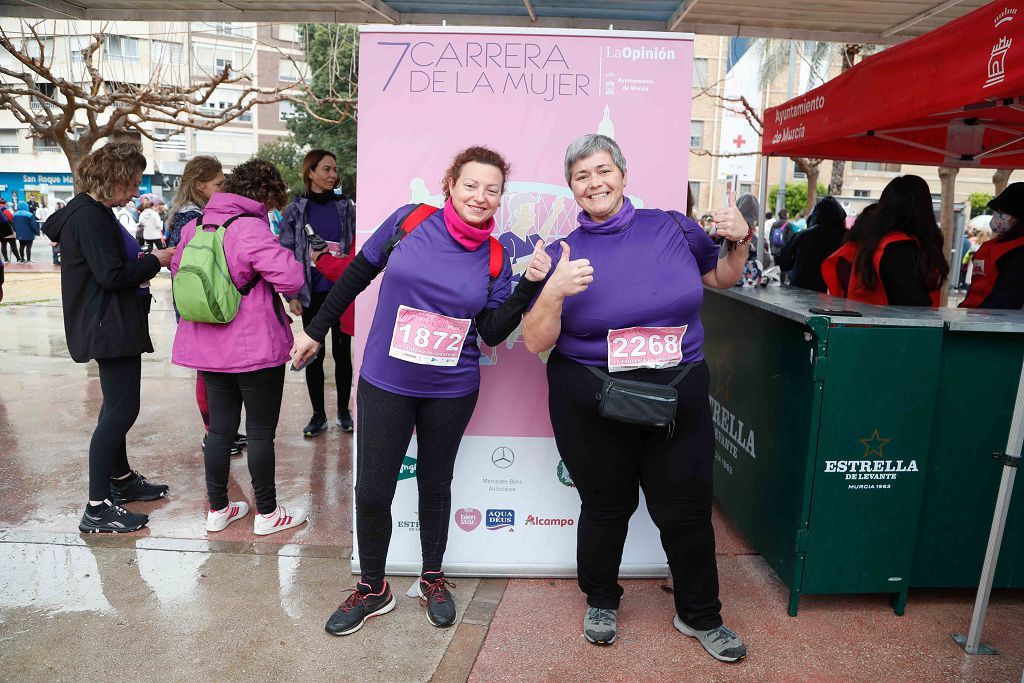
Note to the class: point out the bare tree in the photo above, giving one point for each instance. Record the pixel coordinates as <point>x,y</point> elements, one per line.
<point>739,105</point>
<point>76,110</point>
<point>1000,179</point>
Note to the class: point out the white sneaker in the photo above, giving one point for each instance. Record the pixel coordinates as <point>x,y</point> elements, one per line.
<point>218,520</point>
<point>280,520</point>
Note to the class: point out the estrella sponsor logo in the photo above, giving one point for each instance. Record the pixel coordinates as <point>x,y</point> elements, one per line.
<point>533,520</point>
<point>500,519</point>
<point>408,470</point>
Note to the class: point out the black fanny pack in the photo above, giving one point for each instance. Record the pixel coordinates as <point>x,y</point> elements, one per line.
<point>639,403</point>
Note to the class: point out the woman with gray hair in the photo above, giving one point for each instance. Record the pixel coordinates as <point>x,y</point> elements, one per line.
<point>628,307</point>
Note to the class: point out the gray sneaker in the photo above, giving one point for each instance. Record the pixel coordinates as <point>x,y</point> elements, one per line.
<point>721,643</point>
<point>599,625</point>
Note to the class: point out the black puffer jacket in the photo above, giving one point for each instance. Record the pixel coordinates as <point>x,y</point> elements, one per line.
<point>104,315</point>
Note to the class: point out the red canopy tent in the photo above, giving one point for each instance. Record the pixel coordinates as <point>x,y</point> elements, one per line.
<point>952,97</point>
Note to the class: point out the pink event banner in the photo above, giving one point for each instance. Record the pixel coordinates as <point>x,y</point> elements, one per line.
<point>426,94</point>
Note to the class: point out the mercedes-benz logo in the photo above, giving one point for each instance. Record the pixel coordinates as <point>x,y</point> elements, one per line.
<point>503,457</point>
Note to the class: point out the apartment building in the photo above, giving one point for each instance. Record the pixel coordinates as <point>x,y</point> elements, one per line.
<point>165,52</point>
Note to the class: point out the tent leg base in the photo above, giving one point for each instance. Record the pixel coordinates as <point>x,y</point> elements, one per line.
<point>961,640</point>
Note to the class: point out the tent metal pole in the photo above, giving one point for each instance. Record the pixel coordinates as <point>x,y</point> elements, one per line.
<point>761,222</point>
<point>1011,459</point>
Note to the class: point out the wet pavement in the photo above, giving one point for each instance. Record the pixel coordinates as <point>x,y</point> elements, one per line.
<point>174,603</point>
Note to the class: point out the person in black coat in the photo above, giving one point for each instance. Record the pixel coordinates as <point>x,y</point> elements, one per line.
<point>802,256</point>
<point>105,294</point>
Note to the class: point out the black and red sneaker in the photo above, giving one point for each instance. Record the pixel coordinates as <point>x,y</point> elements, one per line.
<point>438,600</point>
<point>359,606</point>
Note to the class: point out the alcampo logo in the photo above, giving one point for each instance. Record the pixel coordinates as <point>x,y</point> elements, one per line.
<point>500,519</point>
<point>468,519</point>
<point>563,475</point>
<point>532,520</point>
<point>408,470</point>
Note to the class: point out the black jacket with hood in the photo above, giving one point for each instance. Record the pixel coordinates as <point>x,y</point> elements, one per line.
<point>104,315</point>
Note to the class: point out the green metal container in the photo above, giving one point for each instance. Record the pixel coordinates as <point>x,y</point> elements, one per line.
<point>978,375</point>
<point>826,428</point>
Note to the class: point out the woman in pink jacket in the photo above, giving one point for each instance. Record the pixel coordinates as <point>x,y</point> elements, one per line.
<point>243,361</point>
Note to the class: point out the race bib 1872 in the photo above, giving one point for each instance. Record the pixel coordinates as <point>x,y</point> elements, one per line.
<point>645,347</point>
<point>428,338</point>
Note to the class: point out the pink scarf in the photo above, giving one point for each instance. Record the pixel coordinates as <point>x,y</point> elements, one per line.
<point>469,236</point>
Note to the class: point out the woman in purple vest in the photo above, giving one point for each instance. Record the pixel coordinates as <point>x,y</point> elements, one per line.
<point>630,305</point>
<point>421,367</point>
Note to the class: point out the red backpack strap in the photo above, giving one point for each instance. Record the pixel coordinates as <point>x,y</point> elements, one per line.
<point>497,258</point>
<point>420,213</point>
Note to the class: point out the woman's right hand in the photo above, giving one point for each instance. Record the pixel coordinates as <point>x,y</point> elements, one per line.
<point>295,308</point>
<point>164,256</point>
<point>303,349</point>
<point>571,277</point>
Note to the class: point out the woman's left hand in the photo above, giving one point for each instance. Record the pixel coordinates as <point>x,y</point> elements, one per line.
<point>540,263</point>
<point>729,222</point>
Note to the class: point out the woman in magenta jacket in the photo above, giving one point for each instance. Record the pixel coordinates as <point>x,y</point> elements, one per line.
<point>242,362</point>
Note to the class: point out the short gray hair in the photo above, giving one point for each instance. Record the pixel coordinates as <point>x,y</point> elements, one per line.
<point>587,146</point>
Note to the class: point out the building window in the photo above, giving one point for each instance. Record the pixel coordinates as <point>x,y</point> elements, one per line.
<point>289,71</point>
<point>694,187</point>
<point>696,134</point>
<point>45,145</point>
<point>47,89</point>
<point>42,47</point>
<point>221,106</point>
<point>220,63</point>
<point>700,72</point>
<point>175,139</point>
<point>875,166</point>
<point>122,48</point>
<point>8,141</point>
<point>798,174</point>
<point>289,110</point>
<point>288,32</point>
<point>862,193</point>
<point>77,46</point>
<point>165,52</point>
<point>746,188</point>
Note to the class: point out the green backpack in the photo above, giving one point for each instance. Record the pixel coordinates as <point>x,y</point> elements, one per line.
<point>203,290</point>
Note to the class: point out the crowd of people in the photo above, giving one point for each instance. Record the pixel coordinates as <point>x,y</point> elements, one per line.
<point>893,252</point>
<point>237,283</point>
<point>239,340</point>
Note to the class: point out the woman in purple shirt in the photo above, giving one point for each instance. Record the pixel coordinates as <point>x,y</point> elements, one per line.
<point>631,307</point>
<point>421,366</point>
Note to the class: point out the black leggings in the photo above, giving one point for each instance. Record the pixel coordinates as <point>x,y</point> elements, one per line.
<point>386,421</point>
<point>260,392</point>
<point>610,461</point>
<point>120,383</point>
<point>341,351</point>
<point>153,244</point>
<point>4,241</point>
<point>26,250</point>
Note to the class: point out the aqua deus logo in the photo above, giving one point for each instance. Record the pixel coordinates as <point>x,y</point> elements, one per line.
<point>500,519</point>
<point>408,470</point>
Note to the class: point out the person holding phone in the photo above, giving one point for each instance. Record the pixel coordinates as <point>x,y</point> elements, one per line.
<point>104,282</point>
<point>447,282</point>
<point>332,217</point>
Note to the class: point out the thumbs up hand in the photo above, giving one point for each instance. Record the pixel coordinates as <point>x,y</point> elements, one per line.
<point>729,222</point>
<point>571,277</point>
<point>540,263</point>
